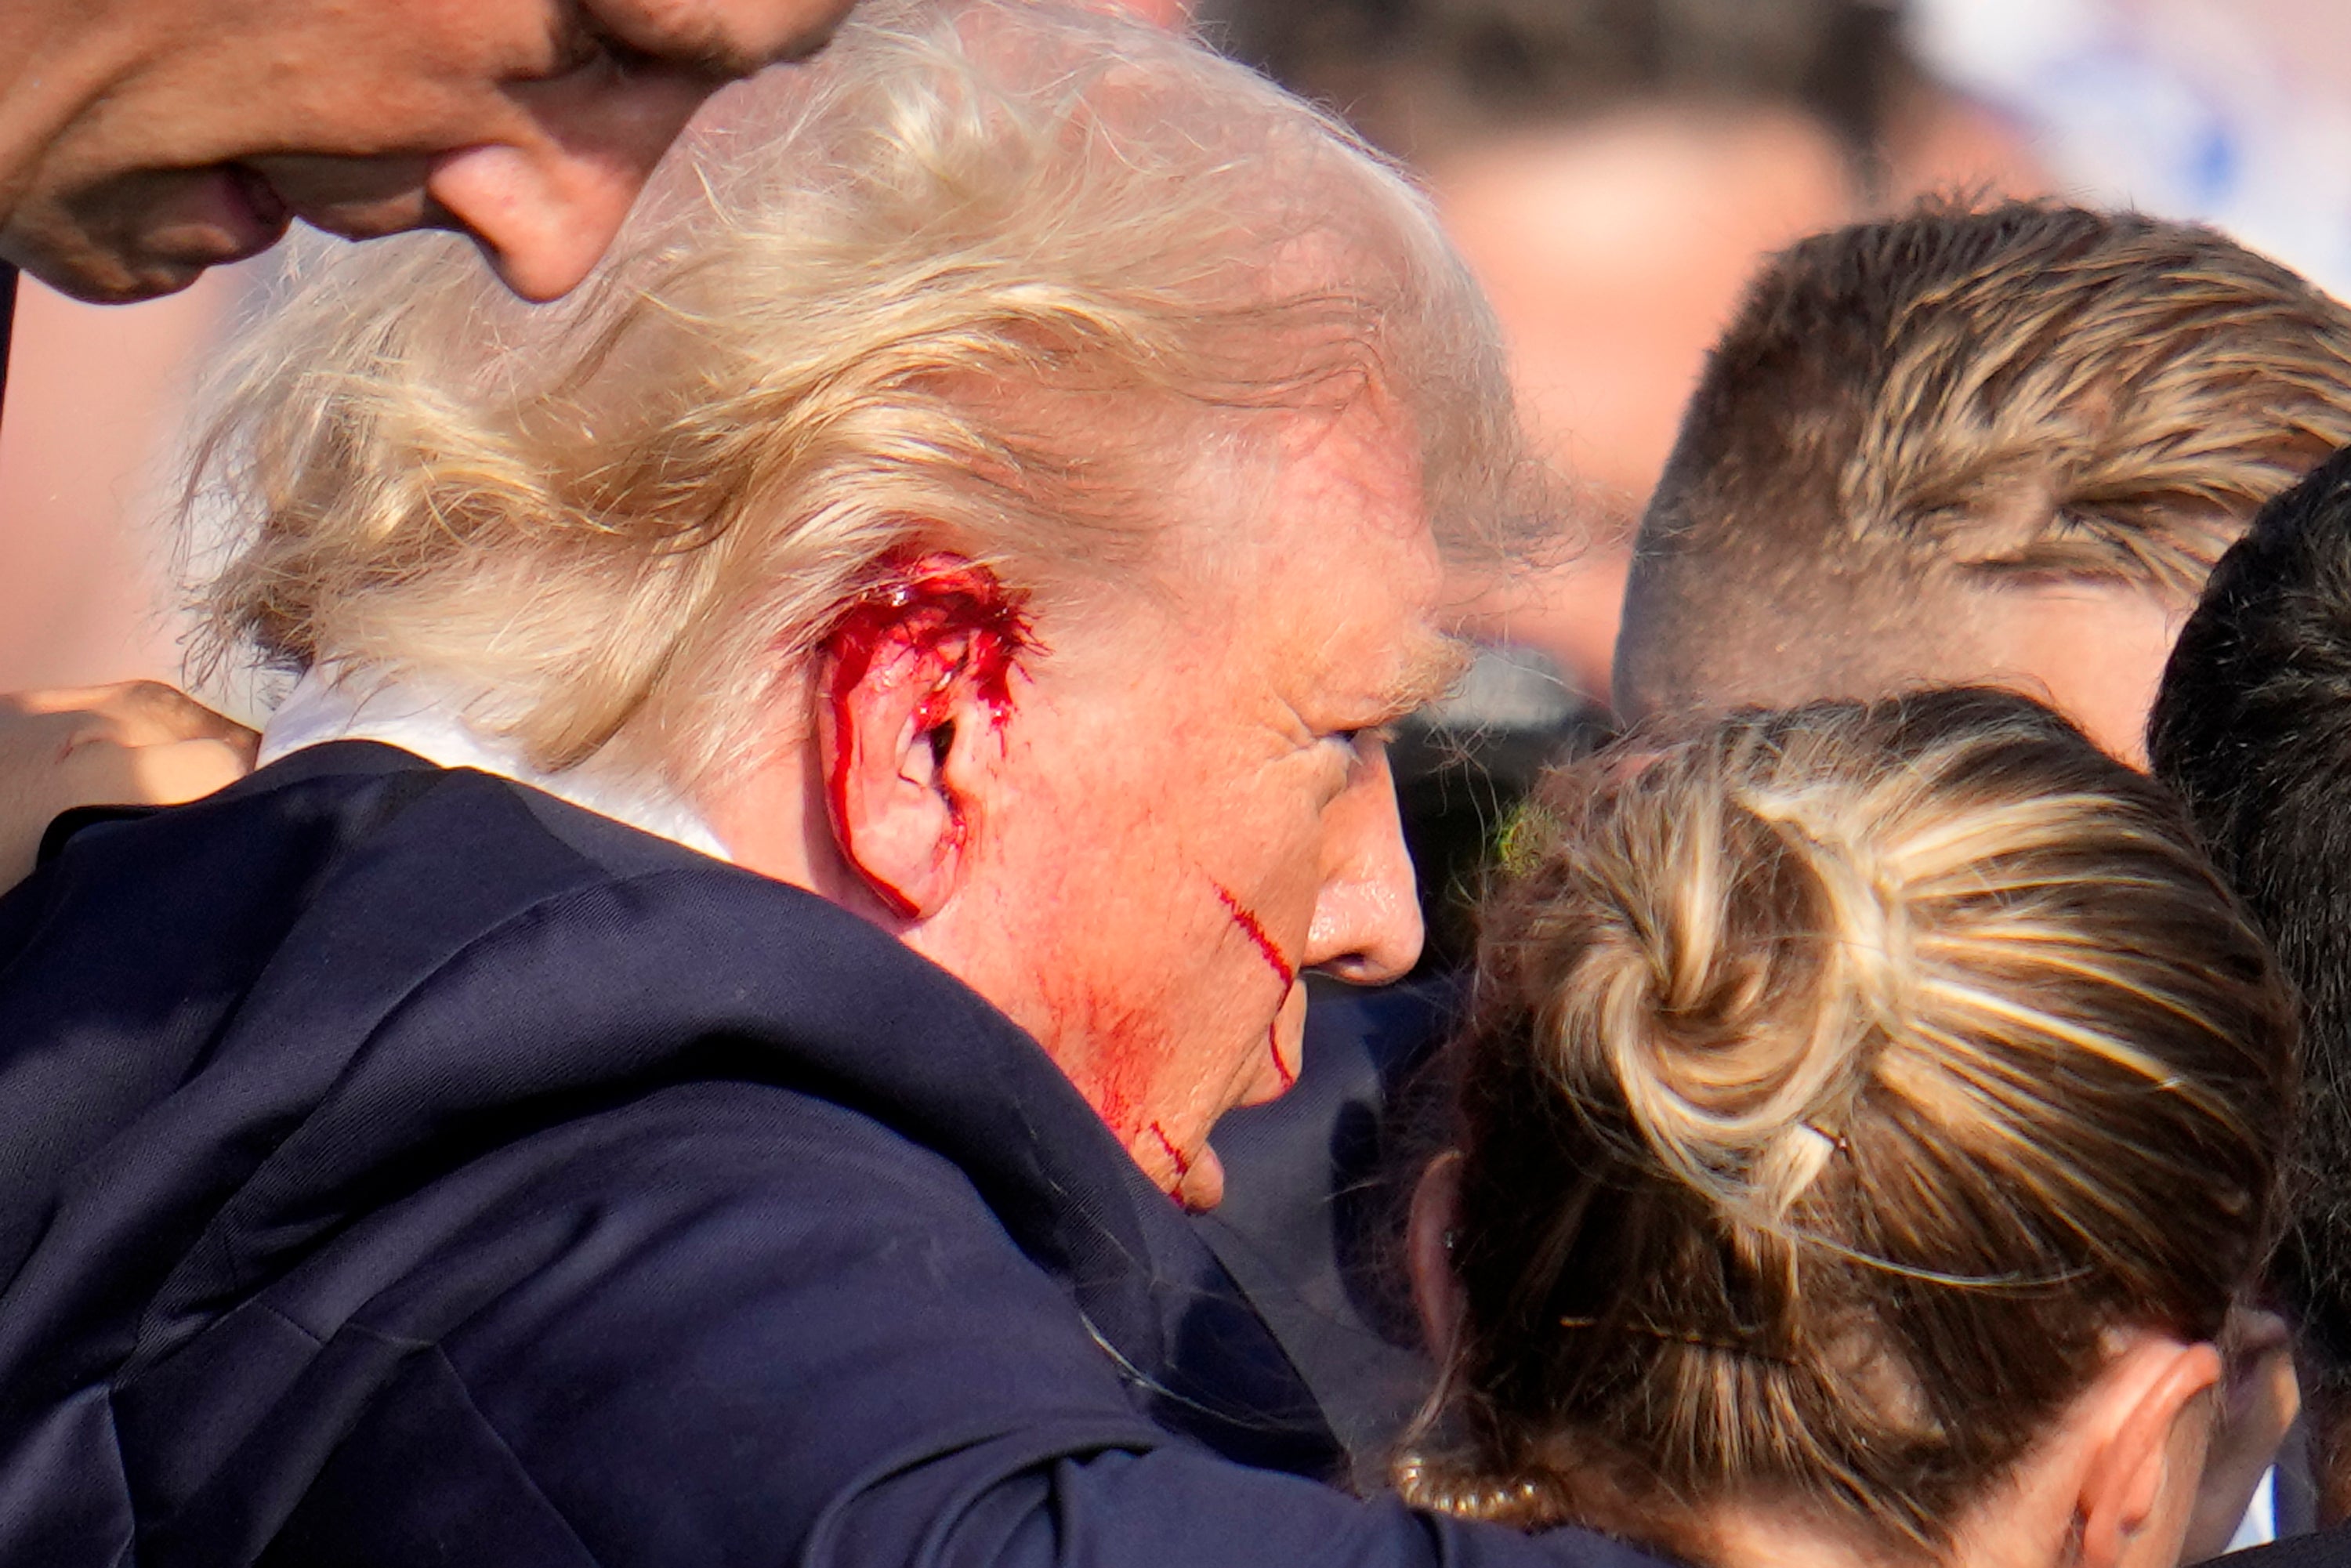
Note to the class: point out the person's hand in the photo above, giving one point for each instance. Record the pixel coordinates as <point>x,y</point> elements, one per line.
<point>137,744</point>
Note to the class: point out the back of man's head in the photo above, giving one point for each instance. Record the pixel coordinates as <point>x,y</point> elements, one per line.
<point>1024,283</point>
<point>2253,730</point>
<point>1958,446</point>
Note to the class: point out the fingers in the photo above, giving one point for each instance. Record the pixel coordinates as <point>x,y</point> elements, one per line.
<point>135,713</point>
<point>137,744</point>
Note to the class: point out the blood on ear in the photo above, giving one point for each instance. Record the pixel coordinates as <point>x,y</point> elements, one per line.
<point>935,618</point>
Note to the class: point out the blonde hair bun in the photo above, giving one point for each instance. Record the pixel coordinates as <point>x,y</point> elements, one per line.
<point>1835,1079</point>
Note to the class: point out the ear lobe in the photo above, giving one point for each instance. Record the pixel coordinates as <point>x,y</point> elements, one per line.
<point>2147,1393</point>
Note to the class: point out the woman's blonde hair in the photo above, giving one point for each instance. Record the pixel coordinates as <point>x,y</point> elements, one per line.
<point>1005,278</point>
<point>1836,1080</point>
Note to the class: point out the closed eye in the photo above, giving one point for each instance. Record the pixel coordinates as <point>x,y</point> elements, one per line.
<point>1365,742</point>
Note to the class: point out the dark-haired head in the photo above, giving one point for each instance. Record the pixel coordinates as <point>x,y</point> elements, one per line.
<point>2253,728</point>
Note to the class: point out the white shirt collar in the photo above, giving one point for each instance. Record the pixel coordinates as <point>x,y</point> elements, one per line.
<point>423,716</point>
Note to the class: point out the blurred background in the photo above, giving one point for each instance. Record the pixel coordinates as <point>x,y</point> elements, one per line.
<point>1612,169</point>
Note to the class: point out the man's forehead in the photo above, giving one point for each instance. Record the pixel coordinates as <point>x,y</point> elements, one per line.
<point>1349,640</point>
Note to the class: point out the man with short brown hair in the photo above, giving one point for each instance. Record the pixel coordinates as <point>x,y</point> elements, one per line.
<point>1959,446</point>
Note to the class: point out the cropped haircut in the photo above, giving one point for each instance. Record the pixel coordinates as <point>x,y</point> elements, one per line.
<point>1958,399</point>
<point>1012,280</point>
<point>1835,1080</point>
<point>2253,728</point>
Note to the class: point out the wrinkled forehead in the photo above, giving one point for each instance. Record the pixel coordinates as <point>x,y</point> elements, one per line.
<point>1334,475</point>
<point>1313,532</point>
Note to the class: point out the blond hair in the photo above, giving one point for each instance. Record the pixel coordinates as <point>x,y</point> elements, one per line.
<point>1836,1080</point>
<point>1961,399</point>
<point>994,278</point>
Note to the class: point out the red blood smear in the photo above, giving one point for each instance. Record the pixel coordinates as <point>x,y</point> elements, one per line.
<point>1255,934</point>
<point>1183,1165</point>
<point>1254,929</point>
<point>1273,1048</point>
<point>922,607</point>
<point>1115,1107</point>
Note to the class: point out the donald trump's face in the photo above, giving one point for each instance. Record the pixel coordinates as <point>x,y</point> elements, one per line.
<point>1192,806</point>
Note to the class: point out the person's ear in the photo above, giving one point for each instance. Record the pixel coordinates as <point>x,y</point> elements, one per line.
<point>1429,1242</point>
<point>2151,1414</point>
<point>913,694</point>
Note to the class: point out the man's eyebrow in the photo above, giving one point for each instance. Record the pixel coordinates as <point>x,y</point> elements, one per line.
<point>1432,666</point>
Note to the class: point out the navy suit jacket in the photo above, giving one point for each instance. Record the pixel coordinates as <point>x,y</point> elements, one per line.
<point>1318,1186</point>
<point>401,1166</point>
<point>2327,1548</point>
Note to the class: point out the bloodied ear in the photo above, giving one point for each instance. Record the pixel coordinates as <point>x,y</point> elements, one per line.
<point>917,683</point>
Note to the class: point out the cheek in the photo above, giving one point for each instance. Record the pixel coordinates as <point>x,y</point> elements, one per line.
<point>1157,937</point>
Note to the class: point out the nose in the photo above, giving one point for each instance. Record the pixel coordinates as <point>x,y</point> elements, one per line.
<point>1367,927</point>
<point>548,202</point>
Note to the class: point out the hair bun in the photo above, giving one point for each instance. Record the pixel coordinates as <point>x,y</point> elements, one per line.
<point>1828,1097</point>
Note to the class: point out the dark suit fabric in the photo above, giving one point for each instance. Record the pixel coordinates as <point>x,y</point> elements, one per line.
<point>401,1166</point>
<point>1317,1187</point>
<point>2327,1548</point>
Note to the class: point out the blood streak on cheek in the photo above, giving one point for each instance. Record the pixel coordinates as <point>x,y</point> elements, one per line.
<point>950,622</point>
<point>1254,929</point>
<point>1176,1156</point>
<point>1273,1048</point>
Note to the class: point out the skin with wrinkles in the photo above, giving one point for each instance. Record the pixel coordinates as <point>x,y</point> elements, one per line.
<point>143,141</point>
<point>1195,804</point>
<point>1132,820</point>
<point>1255,931</point>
